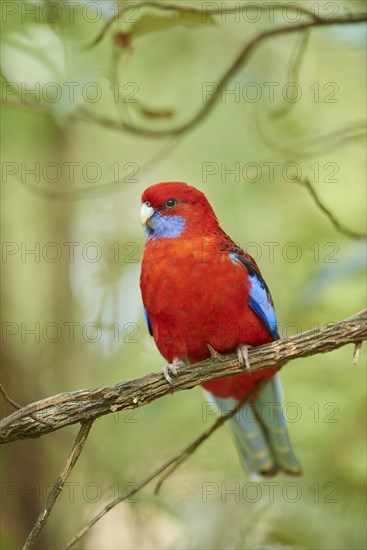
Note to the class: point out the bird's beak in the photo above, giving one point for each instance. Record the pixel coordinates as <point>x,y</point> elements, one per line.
<point>146,212</point>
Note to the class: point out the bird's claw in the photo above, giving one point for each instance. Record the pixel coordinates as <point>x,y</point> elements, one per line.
<point>242,354</point>
<point>172,368</point>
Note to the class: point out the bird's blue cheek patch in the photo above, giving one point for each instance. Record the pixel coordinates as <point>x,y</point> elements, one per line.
<point>165,227</point>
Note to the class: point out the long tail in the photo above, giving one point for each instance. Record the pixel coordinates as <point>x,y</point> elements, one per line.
<point>260,432</point>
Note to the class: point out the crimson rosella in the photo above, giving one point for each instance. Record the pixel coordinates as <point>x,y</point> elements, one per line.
<point>200,288</point>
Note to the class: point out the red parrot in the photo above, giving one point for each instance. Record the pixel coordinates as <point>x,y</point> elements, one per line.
<point>199,288</point>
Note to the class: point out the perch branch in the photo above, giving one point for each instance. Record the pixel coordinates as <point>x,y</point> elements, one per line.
<point>84,405</point>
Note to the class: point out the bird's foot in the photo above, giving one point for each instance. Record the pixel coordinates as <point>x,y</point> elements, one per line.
<point>242,354</point>
<point>172,368</point>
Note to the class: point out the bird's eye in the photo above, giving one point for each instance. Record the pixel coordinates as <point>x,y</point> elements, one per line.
<point>170,203</point>
<point>147,203</point>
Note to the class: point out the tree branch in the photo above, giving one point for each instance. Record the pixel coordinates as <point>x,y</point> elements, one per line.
<point>57,488</point>
<point>236,65</point>
<point>190,9</point>
<point>239,62</point>
<point>85,405</point>
<point>305,182</point>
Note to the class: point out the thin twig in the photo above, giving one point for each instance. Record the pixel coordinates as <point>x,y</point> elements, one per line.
<point>190,9</point>
<point>17,406</point>
<point>57,488</point>
<point>357,351</point>
<point>305,182</point>
<point>166,469</point>
<point>190,449</point>
<point>317,144</point>
<point>80,406</point>
<point>8,399</point>
<point>293,70</point>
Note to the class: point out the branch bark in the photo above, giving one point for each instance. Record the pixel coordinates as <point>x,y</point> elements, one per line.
<point>87,405</point>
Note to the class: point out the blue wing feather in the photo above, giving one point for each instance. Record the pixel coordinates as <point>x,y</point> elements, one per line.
<point>261,303</point>
<point>147,320</point>
<point>260,300</point>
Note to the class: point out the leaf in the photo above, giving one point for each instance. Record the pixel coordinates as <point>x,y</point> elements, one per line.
<point>152,23</point>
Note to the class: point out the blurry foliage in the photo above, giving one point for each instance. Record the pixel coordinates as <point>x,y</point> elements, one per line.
<point>165,71</point>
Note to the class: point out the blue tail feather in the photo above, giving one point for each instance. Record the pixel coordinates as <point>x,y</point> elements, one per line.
<point>269,407</point>
<point>260,432</point>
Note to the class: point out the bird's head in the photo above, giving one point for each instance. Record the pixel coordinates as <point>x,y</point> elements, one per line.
<point>175,209</point>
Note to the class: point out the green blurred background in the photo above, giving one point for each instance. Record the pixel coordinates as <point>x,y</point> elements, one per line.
<point>83,192</point>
